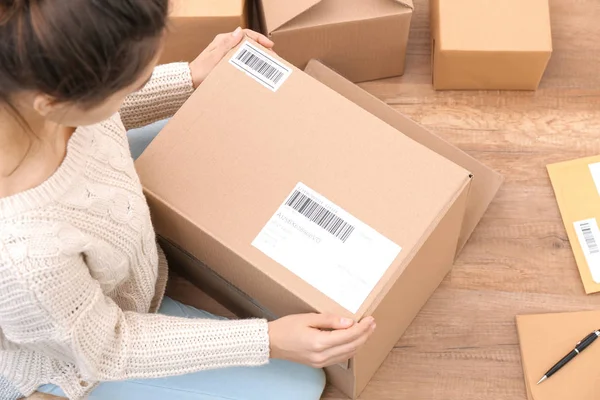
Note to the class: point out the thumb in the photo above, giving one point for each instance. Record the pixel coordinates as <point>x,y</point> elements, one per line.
<point>228,43</point>
<point>326,321</point>
<point>235,38</point>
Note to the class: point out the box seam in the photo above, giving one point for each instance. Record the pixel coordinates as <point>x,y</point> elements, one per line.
<point>285,30</point>
<point>459,247</point>
<point>291,19</point>
<point>405,4</point>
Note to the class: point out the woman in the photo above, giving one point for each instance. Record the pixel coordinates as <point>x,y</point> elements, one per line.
<point>82,306</point>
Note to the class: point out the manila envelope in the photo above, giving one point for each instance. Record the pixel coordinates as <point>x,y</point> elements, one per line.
<point>576,186</point>
<point>547,338</point>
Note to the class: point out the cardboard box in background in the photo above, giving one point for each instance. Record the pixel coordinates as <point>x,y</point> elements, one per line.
<point>490,44</point>
<point>363,40</point>
<point>194,24</point>
<point>219,176</point>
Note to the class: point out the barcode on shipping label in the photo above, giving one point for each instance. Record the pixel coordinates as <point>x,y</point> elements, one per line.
<point>320,215</point>
<point>264,68</point>
<point>326,246</point>
<point>589,240</point>
<point>589,237</point>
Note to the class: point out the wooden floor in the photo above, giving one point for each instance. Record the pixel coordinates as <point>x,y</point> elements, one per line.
<point>463,345</point>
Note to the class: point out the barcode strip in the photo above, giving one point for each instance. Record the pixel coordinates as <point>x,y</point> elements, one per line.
<point>261,66</point>
<point>590,239</point>
<point>320,215</point>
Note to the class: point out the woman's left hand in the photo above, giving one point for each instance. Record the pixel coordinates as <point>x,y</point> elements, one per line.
<point>219,47</point>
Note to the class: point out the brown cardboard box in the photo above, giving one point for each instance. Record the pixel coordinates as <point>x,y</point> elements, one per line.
<point>194,24</point>
<point>362,39</point>
<point>218,175</point>
<point>490,44</point>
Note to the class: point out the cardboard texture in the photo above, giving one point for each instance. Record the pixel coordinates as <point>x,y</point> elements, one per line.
<point>223,165</point>
<point>547,338</point>
<point>576,186</point>
<point>363,40</point>
<point>485,183</point>
<point>490,44</point>
<point>193,25</point>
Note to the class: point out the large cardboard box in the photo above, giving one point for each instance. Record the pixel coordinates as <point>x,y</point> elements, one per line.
<point>362,39</point>
<point>490,44</point>
<point>284,196</point>
<point>193,25</point>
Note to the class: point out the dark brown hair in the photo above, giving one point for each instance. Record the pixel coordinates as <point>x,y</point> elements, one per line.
<point>77,50</point>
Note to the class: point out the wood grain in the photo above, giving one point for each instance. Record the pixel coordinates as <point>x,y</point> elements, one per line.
<point>463,345</point>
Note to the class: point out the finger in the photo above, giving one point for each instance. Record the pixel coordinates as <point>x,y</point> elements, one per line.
<point>259,38</point>
<point>234,38</point>
<point>328,321</point>
<point>341,337</point>
<point>348,350</point>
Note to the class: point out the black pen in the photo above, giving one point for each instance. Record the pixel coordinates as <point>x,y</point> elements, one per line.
<point>581,346</point>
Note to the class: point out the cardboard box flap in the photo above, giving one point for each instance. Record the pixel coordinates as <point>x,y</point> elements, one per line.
<point>486,182</point>
<point>329,12</point>
<point>277,12</point>
<point>406,3</point>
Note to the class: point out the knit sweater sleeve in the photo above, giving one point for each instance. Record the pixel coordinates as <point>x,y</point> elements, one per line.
<point>72,317</point>
<point>168,88</point>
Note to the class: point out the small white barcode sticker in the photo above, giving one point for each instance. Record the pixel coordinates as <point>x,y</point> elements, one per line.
<point>264,68</point>
<point>320,215</point>
<point>327,247</point>
<point>589,240</point>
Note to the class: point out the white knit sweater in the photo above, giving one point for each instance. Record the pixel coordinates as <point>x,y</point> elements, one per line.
<point>81,275</point>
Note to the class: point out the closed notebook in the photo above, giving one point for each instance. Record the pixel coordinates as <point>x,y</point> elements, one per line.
<point>576,186</point>
<point>547,338</point>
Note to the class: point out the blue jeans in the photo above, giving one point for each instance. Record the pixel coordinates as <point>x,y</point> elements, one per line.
<point>278,380</point>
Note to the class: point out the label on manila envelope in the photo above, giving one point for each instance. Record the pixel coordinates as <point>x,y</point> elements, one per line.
<point>576,186</point>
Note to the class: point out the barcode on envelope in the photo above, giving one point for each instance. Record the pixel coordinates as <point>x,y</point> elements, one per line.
<point>320,215</point>
<point>588,234</point>
<point>261,66</point>
<point>589,237</point>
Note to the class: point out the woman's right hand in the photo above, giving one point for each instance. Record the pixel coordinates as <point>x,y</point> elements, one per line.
<point>318,340</point>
